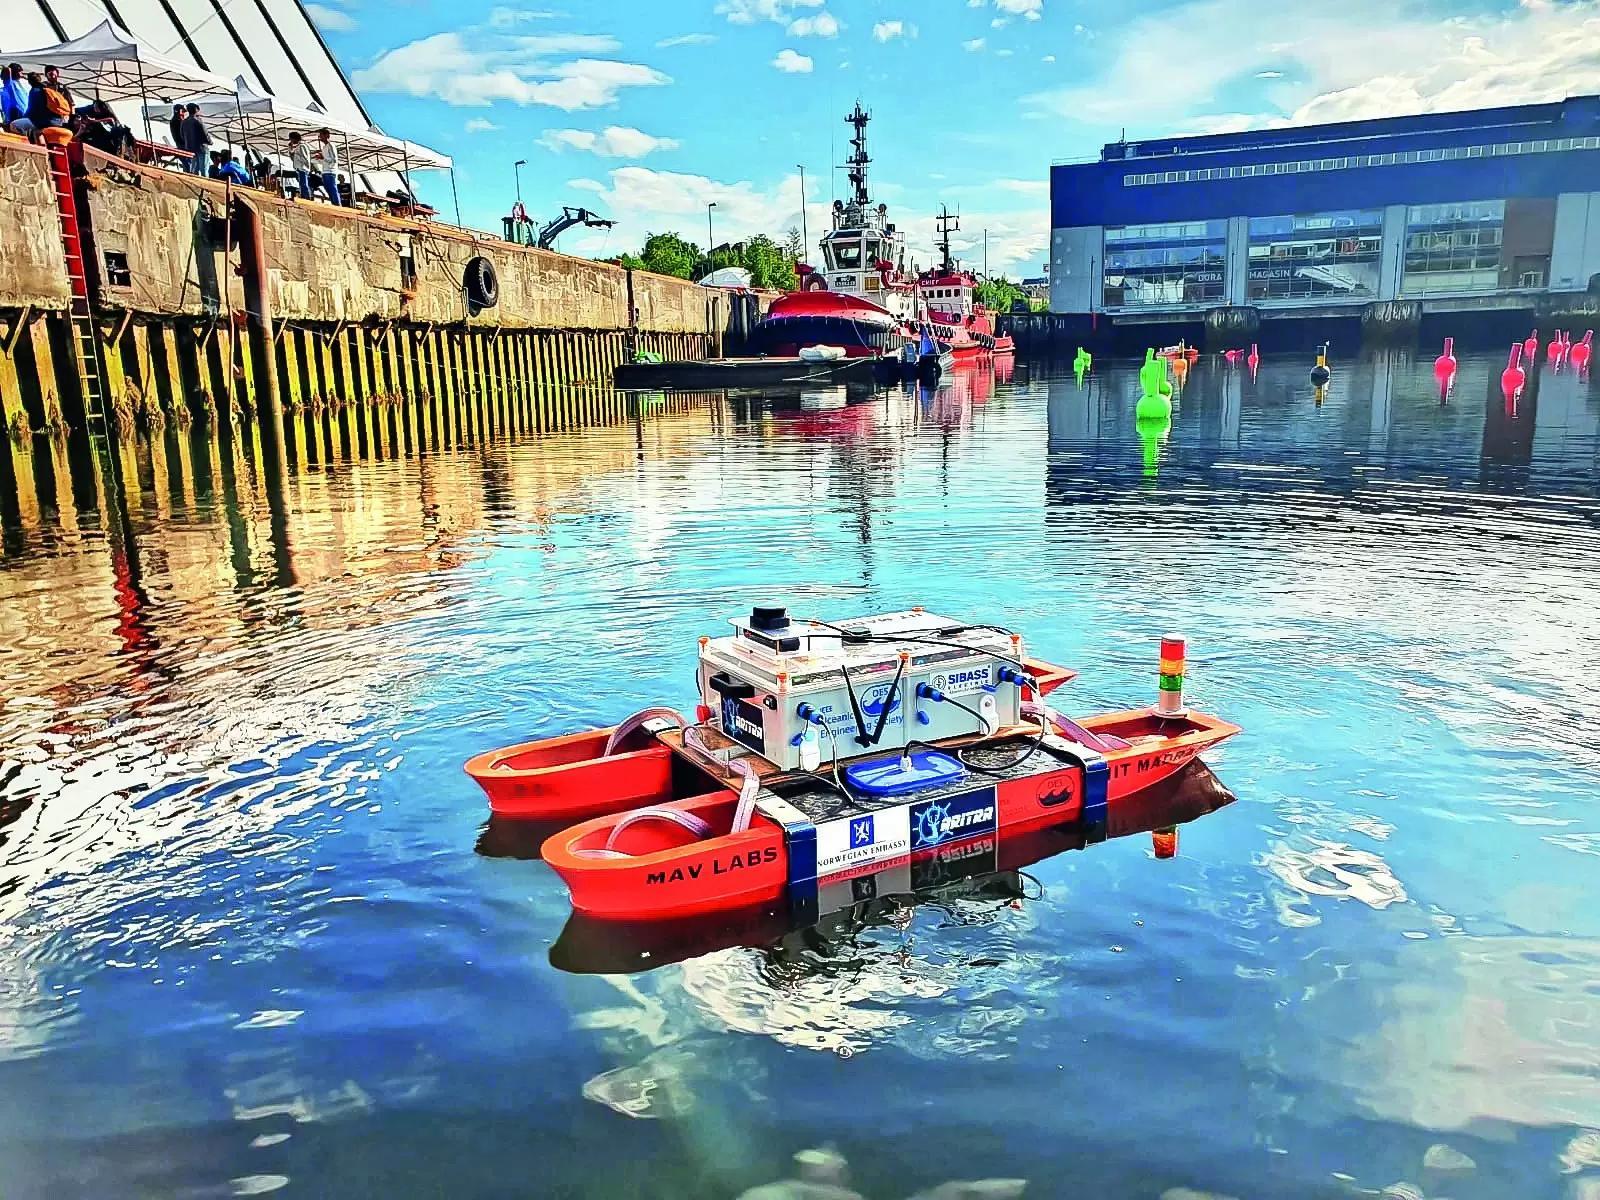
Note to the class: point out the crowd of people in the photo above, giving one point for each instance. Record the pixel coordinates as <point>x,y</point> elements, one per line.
<point>34,101</point>
<point>314,166</point>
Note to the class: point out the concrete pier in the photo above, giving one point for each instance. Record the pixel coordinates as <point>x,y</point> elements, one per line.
<point>334,310</point>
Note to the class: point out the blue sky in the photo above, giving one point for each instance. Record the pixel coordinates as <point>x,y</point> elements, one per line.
<point>648,111</point>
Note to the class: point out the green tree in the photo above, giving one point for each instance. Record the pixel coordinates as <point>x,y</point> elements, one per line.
<point>669,254</point>
<point>770,265</point>
<point>999,294</point>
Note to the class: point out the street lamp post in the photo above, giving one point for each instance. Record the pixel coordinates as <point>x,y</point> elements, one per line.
<point>710,239</point>
<point>517,169</point>
<point>805,242</point>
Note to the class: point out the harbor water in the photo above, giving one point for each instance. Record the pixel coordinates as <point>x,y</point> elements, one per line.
<point>255,938</point>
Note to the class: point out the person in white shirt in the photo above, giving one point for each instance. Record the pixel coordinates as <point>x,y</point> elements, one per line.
<point>300,163</point>
<point>326,156</point>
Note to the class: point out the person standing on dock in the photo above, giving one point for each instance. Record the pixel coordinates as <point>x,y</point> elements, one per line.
<point>13,96</point>
<point>193,139</point>
<point>326,156</point>
<point>300,163</point>
<point>175,125</point>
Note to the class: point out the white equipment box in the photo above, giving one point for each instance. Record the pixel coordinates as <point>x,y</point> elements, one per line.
<point>800,693</point>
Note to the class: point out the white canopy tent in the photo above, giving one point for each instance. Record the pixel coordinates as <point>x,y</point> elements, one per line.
<point>266,122</point>
<point>109,63</point>
<point>263,123</point>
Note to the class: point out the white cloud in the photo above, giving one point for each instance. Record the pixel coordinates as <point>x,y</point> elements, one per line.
<point>687,39</point>
<point>999,23</point>
<point>615,141</point>
<point>792,63</point>
<point>1002,53</point>
<point>643,200</point>
<point>1365,59</point>
<point>1269,74</point>
<point>1048,58</point>
<point>332,19</point>
<point>504,18</point>
<point>887,31</point>
<point>472,68</point>
<point>1030,10</point>
<point>479,125</point>
<point>974,45</point>
<point>1027,187</point>
<point>748,12</point>
<point>823,25</point>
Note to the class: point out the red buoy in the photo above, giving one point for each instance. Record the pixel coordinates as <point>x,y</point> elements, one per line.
<point>1445,365</point>
<point>1580,352</point>
<point>1513,377</point>
<point>1531,346</point>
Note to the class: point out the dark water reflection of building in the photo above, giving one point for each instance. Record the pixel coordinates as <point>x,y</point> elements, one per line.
<point>1381,421</point>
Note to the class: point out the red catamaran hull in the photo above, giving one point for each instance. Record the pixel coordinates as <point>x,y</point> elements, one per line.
<point>663,871</point>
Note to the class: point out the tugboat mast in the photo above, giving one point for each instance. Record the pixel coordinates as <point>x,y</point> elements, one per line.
<point>856,164</point>
<point>945,224</point>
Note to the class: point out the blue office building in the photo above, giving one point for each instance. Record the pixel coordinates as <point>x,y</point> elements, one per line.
<point>1492,209</point>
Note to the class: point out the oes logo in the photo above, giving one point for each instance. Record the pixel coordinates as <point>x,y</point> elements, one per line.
<point>872,700</point>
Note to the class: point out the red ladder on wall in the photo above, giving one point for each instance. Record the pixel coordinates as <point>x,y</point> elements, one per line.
<point>86,347</point>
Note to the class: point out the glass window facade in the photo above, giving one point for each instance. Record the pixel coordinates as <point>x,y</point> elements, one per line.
<point>1315,255</point>
<point>1179,263</point>
<point>1453,247</point>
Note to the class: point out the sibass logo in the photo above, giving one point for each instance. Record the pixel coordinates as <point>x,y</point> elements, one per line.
<point>934,822</point>
<point>964,681</point>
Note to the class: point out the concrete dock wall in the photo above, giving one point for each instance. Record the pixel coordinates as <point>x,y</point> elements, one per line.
<point>359,310</point>
<point>33,270</point>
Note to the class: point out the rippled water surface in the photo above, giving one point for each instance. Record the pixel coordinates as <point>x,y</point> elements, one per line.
<point>248,945</point>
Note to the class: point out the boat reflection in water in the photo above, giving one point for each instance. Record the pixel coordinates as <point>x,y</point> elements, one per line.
<point>987,868</point>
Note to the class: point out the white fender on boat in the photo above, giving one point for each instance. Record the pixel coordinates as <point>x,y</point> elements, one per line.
<point>745,813</point>
<point>637,721</point>
<point>655,813</point>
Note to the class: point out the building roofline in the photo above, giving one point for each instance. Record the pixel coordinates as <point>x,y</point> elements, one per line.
<point>1453,121</point>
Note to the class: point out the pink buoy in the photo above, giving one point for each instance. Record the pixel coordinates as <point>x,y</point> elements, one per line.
<point>1445,365</point>
<point>1555,349</point>
<point>1531,347</point>
<point>1254,357</point>
<point>1233,355</point>
<point>1513,377</point>
<point>1580,352</point>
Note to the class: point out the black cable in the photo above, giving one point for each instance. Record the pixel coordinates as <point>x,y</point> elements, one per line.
<point>1004,768</point>
<point>859,637</point>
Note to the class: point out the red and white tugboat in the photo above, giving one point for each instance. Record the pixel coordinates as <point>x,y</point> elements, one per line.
<point>959,322</point>
<point>868,300</point>
<point>863,299</point>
